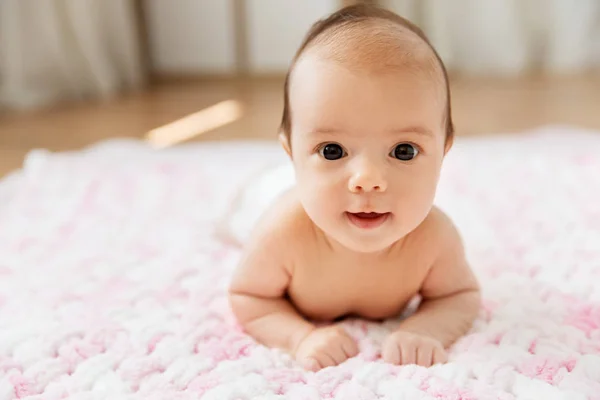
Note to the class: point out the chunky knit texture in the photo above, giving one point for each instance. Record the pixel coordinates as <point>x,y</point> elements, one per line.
<point>113,277</point>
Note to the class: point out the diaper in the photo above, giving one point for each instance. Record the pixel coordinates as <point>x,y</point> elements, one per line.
<point>253,199</point>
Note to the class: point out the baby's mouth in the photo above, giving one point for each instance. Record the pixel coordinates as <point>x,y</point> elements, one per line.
<point>368,220</point>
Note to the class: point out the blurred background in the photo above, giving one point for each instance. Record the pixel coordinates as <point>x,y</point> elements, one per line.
<point>75,72</point>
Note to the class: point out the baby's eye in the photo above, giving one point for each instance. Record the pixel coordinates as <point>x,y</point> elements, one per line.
<point>405,152</point>
<point>332,151</point>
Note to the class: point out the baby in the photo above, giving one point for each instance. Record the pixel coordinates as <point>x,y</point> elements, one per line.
<point>367,124</point>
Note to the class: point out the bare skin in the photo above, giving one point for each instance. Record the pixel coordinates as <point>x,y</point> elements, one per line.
<point>358,235</point>
<point>291,276</point>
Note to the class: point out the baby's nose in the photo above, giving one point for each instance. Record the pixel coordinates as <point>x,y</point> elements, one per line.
<point>367,180</point>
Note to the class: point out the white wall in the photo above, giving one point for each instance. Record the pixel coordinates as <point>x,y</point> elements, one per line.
<point>276,28</point>
<point>509,37</point>
<point>191,36</point>
<point>198,36</point>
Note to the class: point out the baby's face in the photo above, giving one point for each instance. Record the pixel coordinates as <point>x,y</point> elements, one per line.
<point>367,150</point>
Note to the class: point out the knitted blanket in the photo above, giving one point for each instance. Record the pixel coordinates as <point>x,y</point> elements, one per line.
<point>114,270</point>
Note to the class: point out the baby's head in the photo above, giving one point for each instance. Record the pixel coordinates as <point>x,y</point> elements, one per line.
<point>367,123</point>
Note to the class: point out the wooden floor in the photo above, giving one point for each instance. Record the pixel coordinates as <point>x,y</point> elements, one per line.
<point>480,106</point>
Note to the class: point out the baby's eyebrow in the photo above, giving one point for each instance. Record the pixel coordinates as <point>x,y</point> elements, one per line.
<point>421,130</point>
<point>325,131</point>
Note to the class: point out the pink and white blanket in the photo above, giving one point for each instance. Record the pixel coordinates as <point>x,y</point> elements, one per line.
<point>113,277</point>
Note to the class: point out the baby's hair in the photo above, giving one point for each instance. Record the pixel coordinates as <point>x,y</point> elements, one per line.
<point>327,30</point>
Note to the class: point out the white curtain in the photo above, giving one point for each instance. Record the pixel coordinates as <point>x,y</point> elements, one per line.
<point>55,50</point>
<point>509,37</point>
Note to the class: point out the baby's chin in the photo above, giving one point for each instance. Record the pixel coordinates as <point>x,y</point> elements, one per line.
<point>366,243</point>
<point>358,240</point>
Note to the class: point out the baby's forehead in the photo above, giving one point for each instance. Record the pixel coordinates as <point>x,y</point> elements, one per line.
<point>376,45</point>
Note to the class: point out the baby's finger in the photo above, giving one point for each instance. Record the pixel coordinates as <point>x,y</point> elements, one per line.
<point>408,353</point>
<point>391,353</point>
<point>439,356</point>
<point>350,347</point>
<point>336,351</point>
<point>310,364</point>
<point>424,356</point>
<point>325,360</point>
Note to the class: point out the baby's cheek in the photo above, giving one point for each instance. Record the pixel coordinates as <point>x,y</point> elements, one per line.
<point>414,207</point>
<point>421,188</point>
<point>321,186</point>
<point>321,204</point>
<point>322,207</point>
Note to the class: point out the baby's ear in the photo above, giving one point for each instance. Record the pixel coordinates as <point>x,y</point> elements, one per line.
<point>448,145</point>
<point>285,143</point>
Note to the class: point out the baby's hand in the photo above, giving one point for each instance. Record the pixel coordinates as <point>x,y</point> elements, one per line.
<point>403,347</point>
<point>325,347</point>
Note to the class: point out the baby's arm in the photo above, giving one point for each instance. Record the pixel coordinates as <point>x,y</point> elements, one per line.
<point>257,295</point>
<point>450,304</point>
<point>450,295</point>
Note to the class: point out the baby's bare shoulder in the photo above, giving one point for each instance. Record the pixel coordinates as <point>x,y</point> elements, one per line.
<point>286,217</point>
<point>281,228</point>
<point>438,231</point>
<point>450,271</point>
<point>266,265</point>
<point>441,222</point>
<point>437,226</point>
